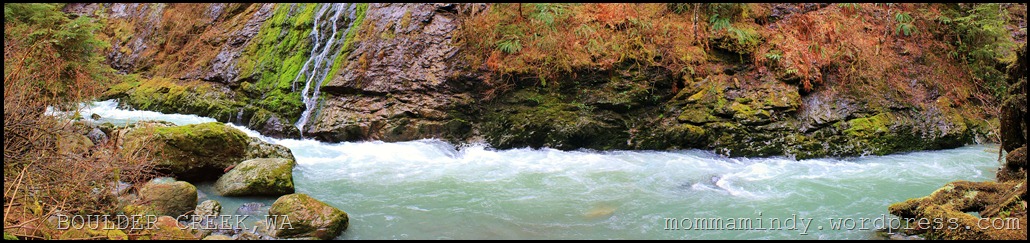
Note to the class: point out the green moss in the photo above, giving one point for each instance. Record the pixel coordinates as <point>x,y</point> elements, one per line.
<point>688,134</point>
<point>191,152</point>
<point>696,116</point>
<point>869,126</point>
<point>266,177</point>
<point>749,115</point>
<point>348,41</point>
<point>309,217</point>
<point>956,198</point>
<point>9,236</point>
<point>275,57</point>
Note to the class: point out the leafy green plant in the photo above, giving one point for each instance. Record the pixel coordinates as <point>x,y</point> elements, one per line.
<point>678,8</point>
<point>982,40</point>
<point>774,55</point>
<point>905,25</point>
<point>850,7</point>
<point>719,23</point>
<point>548,13</point>
<point>509,46</point>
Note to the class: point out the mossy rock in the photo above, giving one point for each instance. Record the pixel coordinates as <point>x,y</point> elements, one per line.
<point>748,115</point>
<point>106,230</point>
<point>258,177</point>
<point>166,228</point>
<point>261,149</point>
<point>308,217</point>
<point>952,201</point>
<point>696,116</point>
<point>208,208</point>
<point>73,144</point>
<point>192,152</point>
<point>217,237</point>
<point>1016,159</point>
<point>531,119</point>
<point>165,196</point>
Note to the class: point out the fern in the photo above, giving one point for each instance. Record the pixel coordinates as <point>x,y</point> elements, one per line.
<point>774,55</point>
<point>719,23</point>
<point>510,46</point>
<point>678,8</point>
<point>903,17</point>
<point>850,7</point>
<point>904,24</point>
<point>548,13</point>
<point>906,28</point>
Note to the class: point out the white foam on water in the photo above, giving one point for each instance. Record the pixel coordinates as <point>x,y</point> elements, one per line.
<point>429,189</point>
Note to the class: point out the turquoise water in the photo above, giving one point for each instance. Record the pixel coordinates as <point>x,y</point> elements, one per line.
<point>430,189</point>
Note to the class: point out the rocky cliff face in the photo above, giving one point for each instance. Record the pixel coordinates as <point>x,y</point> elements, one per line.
<point>402,74</point>
<point>401,82</point>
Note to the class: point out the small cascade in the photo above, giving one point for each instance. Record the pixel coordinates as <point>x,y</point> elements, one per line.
<point>327,39</point>
<point>239,116</point>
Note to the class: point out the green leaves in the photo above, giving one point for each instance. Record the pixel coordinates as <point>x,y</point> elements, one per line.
<point>982,40</point>
<point>905,25</point>
<point>719,23</point>
<point>850,7</point>
<point>548,13</point>
<point>774,55</point>
<point>509,46</point>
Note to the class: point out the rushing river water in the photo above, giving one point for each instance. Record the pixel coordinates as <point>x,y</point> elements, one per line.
<point>430,189</point>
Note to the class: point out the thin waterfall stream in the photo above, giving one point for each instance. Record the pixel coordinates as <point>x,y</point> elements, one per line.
<point>326,42</point>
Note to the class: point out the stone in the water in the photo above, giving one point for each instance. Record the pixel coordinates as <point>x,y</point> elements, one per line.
<point>258,177</point>
<point>600,211</point>
<point>251,208</point>
<point>308,216</point>
<point>208,208</point>
<point>95,116</point>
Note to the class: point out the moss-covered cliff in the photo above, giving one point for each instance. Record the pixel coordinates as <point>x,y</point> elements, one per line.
<point>801,80</point>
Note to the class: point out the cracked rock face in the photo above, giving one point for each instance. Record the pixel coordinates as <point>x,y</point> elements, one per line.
<point>400,79</point>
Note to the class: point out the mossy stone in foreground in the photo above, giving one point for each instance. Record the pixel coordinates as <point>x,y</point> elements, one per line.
<point>994,200</point>
<point>258,177</point>
<point>169,197</point>
<point>307,217</point>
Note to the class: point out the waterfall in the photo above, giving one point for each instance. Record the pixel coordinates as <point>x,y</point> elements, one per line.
<point>325,41</point>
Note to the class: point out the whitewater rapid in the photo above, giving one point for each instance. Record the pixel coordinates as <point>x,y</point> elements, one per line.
<point>431,189</point>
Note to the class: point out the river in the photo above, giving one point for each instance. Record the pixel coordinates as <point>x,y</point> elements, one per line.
<point>430,189</point>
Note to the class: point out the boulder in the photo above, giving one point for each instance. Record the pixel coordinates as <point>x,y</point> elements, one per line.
<point>251,208</point>
<point>260,149</point>
<point>166,196</point>
<point>217,237</point>
<point>258,177</point>
<point>197,152</point>
<point>103,230</point>
<point>166,228</point>
<point>97,136</point>
<point>192,152</point>
<point>305,216</point>
<point>208,208</point>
